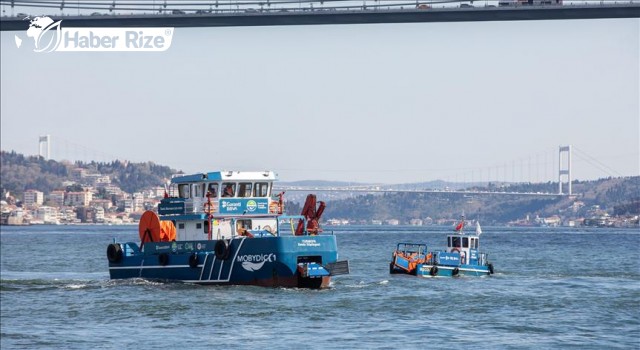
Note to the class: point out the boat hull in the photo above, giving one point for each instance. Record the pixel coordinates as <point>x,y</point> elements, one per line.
<point>427,270</point>
<point>266,261</point>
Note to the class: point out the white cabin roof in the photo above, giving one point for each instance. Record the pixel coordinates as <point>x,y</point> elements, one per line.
<point>226,175</point>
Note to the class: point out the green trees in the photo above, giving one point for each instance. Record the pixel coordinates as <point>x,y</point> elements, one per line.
<point>19,173</point>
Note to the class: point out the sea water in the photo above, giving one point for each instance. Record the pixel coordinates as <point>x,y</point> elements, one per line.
<point>554,288</point>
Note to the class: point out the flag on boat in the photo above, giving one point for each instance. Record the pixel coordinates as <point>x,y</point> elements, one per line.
<point>478,228</point>
<point>460,225</point>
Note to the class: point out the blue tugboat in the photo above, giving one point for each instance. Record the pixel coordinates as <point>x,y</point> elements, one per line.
<point>461,257</point>
<point>226,228</point>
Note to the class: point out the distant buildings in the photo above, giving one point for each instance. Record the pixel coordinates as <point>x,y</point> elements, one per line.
<point>99,201</point>
<point>75,199</point>
<point>47,215</point>
<point>33,198</point>
<point>56,198</point>
<point>415,222</point>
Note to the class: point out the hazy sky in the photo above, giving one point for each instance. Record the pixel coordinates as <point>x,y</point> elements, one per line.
<point>370,103</point>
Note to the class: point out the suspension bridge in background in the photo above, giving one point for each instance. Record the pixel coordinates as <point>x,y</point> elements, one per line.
<point>551,166</point>
<point>223,13</point>
<point>480,185</point>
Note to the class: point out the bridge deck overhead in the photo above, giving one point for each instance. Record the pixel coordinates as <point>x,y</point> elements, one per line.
<point>325,16</point>
<point>442,192</point>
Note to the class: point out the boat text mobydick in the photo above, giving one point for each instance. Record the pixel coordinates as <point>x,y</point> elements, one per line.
<point>226,228</point>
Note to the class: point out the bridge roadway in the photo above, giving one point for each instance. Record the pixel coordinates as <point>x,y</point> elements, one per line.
<point>326,16</point>
<point>365,190</point>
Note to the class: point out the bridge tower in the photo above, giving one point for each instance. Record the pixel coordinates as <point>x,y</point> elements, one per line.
<point>44,147</point>
<point>566,170</point>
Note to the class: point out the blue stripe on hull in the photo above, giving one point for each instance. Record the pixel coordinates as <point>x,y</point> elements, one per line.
<point>447,271</point>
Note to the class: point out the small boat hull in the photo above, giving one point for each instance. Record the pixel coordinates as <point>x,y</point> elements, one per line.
<point>426,270</point>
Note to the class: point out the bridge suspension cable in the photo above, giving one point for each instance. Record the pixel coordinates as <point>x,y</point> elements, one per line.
<point>63,149</point>
<point>596,163</point>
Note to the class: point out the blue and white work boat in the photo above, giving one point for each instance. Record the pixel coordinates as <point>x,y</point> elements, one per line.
<point>461,257</point>
<point>226,228</point>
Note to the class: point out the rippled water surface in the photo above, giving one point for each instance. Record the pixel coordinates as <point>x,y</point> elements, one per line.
<point>553,288</point>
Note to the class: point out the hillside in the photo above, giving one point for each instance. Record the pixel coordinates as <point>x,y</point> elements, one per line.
<point>618,196</point>
<point>19,173</point>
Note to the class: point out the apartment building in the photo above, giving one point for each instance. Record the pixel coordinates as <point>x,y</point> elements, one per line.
<point>75,199</point>
<point>57,198</point>
<point>33,198</point>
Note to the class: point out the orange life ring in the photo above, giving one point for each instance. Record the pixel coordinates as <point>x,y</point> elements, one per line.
<point>455,250</point>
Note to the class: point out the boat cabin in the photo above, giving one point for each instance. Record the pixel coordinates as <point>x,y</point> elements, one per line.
<point>222,204</point>
<point>466,245</point>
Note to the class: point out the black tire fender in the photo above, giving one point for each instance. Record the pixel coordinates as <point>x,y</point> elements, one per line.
<point>392,269</point>
<point>163,259</point>
<point>222,249</point>
<point>193,260</point>
<point>114,253</point>
<point>433,271</point>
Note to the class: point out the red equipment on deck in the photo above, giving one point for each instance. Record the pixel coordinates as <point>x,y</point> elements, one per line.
<point>312,214</point>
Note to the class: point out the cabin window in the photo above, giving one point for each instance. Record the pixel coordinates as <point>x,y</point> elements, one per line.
<point>181,226</point>
<point>206,226</point>
<point>213,189</point>
<point>229,189</point>
<point>474,243</point>
<point>198,225</point>
<point>244,189</point>
<point>261,189</point>
<point>198,190</point>
<point>465,242</point>
<point>183,190</point>
<point>455,242</point>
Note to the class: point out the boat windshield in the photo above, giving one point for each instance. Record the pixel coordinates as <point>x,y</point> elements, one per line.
<point>261,189</point>
<point>244,189</point>
<point>454,241</point>
<point>183,190</point>
<point>229,189</point>
<point>198,190</point>
<point>213,190</point>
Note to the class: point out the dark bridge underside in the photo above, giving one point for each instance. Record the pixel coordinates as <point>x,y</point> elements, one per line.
<point>342,17</point>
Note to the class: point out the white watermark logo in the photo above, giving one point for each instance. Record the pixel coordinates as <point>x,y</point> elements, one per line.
<point>45,33</point>
<point>48,36</point>
<point>255,262</point>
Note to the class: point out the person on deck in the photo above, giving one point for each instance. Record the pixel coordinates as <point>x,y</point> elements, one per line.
<point>228,191</point>
<point>212,190</point>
